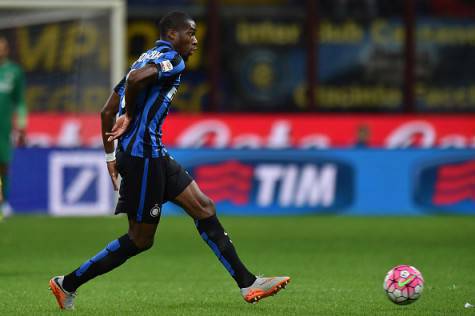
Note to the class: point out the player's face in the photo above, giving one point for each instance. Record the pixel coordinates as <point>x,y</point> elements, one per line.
<point>185,42</point>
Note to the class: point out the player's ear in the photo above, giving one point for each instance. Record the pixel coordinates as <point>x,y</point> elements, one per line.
<point>172,34</point>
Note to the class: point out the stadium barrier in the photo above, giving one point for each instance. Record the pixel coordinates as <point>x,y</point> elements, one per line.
<point>275,131</point>
<point>263,182</point>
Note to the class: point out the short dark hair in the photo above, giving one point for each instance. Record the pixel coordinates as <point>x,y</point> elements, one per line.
<point>175,20</point>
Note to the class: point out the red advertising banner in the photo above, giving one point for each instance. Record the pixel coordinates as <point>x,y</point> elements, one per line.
<point>272,131</point>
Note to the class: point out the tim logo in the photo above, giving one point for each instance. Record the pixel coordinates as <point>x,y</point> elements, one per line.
<point>448,186</point>
<point>78,184</point>
<point>267,184</point>
<point>229,181</point>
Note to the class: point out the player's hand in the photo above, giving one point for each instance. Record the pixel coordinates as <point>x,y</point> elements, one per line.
<point>114,174</point>
<point>121,125</point>
<point>21,138</point>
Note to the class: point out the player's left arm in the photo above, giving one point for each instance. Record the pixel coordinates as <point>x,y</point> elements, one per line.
<point>136,80</point>
<point>21,111</point>
<point>169,65</point>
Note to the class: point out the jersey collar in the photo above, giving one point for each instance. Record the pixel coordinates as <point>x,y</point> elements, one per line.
<point>162,42</point>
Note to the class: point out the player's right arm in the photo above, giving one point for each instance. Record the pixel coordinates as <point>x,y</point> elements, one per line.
<point>21,110</point>
<point>108,114</point>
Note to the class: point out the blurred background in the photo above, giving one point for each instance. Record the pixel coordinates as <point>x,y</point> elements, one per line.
<point>288,107</point>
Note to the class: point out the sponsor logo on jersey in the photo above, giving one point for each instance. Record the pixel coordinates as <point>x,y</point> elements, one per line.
<point>149,55</point>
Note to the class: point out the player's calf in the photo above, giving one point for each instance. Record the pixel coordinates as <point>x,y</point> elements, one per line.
<point>112,256</point>
<point>213,234</point>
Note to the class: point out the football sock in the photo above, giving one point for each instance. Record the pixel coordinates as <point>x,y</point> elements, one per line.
<point>115,254</point>
<point>217,239</point>
<point>5,187</point>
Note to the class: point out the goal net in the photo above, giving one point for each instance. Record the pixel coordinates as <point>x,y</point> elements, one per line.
<point>72,52</point>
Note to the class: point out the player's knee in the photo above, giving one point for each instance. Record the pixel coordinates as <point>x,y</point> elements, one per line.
<point>208,208</point>
<point>200,207</point>
<point>141,240</point>
<point>143,243</point>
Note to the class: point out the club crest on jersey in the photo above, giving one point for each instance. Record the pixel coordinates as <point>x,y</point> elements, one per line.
<point>155,211</point>
<point>166,65</point>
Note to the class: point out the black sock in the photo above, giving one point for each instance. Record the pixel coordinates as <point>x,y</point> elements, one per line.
<point>115,254</point>
<point>213,233</point>
<point>4,186</point>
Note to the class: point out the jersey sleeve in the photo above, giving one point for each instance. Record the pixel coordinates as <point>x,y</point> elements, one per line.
<point>120,86</point>
<point>19,99</point>
<point>169,64</point>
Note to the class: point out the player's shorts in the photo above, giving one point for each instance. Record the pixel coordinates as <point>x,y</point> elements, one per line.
<point>5,150</point>
<point>146,184</point>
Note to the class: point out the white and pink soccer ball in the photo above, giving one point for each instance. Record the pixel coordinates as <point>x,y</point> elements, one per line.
<point>403,284</point>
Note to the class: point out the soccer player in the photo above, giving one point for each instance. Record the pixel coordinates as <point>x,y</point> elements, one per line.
<point>150,176</point>
<point>12,102</point>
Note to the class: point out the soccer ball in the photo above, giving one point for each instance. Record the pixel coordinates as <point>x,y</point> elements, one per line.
<point>403,284</point>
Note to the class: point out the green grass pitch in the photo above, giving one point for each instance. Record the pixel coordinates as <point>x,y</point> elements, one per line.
<point>337,265</point>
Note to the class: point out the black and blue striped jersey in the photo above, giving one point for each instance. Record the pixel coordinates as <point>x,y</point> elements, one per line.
<point>144,136</point>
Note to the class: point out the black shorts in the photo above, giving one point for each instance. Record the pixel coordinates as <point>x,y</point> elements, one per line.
<point>147,183</point>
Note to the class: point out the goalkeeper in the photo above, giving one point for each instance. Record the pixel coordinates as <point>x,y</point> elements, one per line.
<point>12,101</point>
